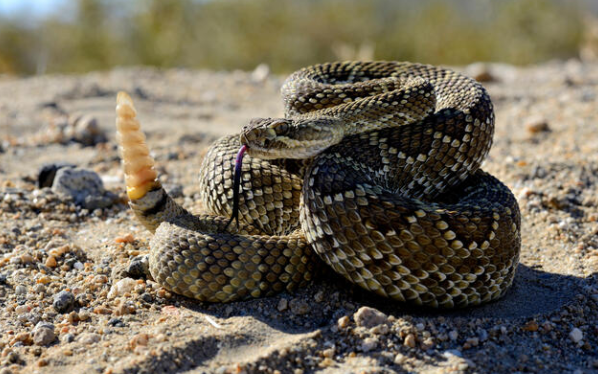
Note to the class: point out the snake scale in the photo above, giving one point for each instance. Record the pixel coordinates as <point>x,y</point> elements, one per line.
<point>375,169</point>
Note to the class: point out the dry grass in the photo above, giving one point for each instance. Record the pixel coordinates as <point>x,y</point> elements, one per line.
<point>287,34</point>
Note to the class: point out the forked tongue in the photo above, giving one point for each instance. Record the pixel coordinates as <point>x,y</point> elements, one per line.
<point>236,186</point>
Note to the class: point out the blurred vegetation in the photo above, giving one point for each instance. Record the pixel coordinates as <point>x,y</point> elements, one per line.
<point>287,34</point>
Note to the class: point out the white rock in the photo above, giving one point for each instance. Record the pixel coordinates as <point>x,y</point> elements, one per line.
<point>369,317</point>
<point>123,286</point>
<point>368,344</point>
<point>576,335</point>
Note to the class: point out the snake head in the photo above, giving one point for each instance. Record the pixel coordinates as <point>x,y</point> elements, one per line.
<point>272,138</point>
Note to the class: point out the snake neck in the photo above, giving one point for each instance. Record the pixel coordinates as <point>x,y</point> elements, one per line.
<point>147,198</point>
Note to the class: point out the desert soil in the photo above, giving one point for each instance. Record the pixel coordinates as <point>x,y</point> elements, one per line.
<point>71,302</point>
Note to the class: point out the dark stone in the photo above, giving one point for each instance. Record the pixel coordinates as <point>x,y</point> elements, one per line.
<point>46,174</point>
<point>64,302</point>
<point>138,267</point>
<point>116,322</point>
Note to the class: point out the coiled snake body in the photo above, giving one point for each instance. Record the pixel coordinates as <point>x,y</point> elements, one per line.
<point>374,169</point>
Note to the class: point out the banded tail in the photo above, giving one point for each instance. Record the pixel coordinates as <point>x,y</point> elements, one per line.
<point>147,197</point>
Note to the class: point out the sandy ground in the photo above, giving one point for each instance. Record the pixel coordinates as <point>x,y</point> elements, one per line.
<point>545,149</point>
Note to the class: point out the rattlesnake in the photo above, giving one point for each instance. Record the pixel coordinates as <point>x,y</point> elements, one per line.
<point>374,169</point>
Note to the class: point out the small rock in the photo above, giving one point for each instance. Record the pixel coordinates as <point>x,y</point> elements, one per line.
<point>452,352</point>
<point>453,335</point>
<point>84,186</point>
<point>471,342</point>
<point>47,173</point>
<point>576,335</point>
<point>138,267</point>
<point>140,339</point>
<point>319,297</point>
<point>51,262</point>
<point>343,322</point>
<point>480,72</point>
<point>409,341</point>
<point>13,357</point>
<point>283,304</point>
<point>369,317</point>
<point>368,344</point>
<point>299,307</point>
<point>21,309</point>
<point>43,334</point>
<point>86,130</point>
<point>530,326</point>
<point>260,73</point>
<point>67,338</point>
<point>89,338</point>
<point>20,290</point>
<point>380,329</point>
<point>537,125</point>
<point>64,302</point>
<point>122,287</point>
<point>23,338</point>
<point>116,322</point>
<point>400,359</point>
<point>148,298</point>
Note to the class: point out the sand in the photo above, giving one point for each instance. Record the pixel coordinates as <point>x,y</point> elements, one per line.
<point>545,149</point>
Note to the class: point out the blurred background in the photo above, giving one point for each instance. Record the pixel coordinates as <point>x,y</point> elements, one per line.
<point>65,36</point>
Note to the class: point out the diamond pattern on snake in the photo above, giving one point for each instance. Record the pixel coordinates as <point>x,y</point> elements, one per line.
<point>374,170</point>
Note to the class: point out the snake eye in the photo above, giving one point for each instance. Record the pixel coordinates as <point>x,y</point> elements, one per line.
<point>280,127</point>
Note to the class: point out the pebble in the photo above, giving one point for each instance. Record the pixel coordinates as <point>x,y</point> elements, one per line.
<point>368,344</point>
<point>452,352</point>
<point>369,317</point>
<point>576,335</point>
<point>343,322</point>
<point>299,307</point>
<point>116,322</point>
<point>20,290</point>
<point>22,309</point>
<point>122,287</point>
<point>67,338</point>
<point>51,262</point>
<point>138,267</point>
<point>471,342</point>
<point>64,302</point>
<point>400,359</point>
<point>283,304</point>
<point>410,341</point>
<point>480,72</point>
<point>47,173</point>
<point>140,339</point>
<point>380,329</point>
<point>260,73</point>
<point>43,334</point>
<point>84,186</point>
<point>319,297</point>
<point>537,125</point>
<point>530,326</point>
<point>89,338</point>
<point>453,335</point>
